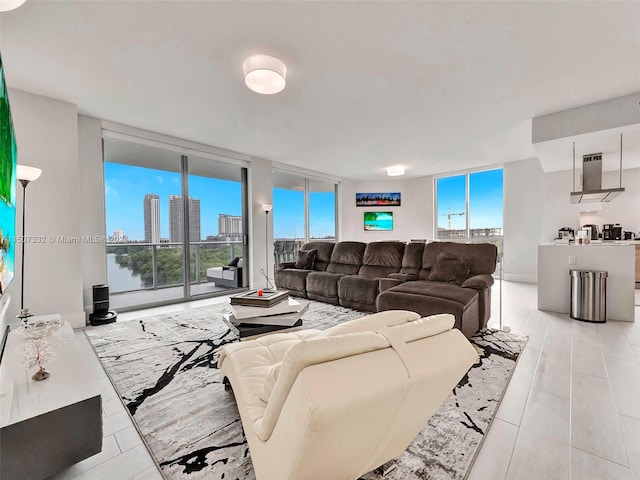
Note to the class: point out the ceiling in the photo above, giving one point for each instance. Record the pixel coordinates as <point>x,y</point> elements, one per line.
<point>436,87</point>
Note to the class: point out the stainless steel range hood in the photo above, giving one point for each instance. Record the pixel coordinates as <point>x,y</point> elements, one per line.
<point>592,191</point>
<point>595,196</point>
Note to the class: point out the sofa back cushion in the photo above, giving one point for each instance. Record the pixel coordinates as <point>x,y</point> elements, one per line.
<point>412,259</point>
<point>382,258</point>
<point>346,258</point>
<point>481,255</point>
<point>323,254</point>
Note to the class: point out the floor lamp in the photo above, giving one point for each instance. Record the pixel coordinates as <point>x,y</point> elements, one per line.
<point>504,328</point>
<point>25,175</point>
<point>267,208</point>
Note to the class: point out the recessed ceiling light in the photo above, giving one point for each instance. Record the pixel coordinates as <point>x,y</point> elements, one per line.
<point>264,74</point>
<point>395,170</point>
<point>6,5</point>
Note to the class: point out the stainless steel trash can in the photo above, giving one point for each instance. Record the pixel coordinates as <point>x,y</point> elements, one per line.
<point>588,295</point>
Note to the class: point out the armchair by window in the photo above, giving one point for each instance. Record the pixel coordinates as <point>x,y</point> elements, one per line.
<point>229,276</point>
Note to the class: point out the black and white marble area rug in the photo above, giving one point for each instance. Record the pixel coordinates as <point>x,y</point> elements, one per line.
<point>163,368</point>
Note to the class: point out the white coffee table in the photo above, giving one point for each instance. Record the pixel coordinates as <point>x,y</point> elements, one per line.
<point>265,319</point>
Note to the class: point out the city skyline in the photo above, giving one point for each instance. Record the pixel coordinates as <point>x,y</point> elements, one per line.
<point>126,186</point>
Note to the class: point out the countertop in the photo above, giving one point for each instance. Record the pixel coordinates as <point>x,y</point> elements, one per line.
<point>598,243</point>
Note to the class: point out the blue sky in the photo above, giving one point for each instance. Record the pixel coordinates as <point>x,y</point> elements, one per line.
<point>288,214</point>
<point>485,200</point>
<point>126,186</point>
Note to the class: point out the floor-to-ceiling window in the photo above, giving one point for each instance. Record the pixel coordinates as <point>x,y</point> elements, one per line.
<point>216,191</point>
<point>170,217</point>
<point>322,209</point>
<point>304,209</point>
<point>469,206</point>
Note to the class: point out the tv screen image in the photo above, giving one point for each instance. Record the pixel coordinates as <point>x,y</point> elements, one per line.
<point>8,154</point>
<point>378,199</point>
<point>378,221</point>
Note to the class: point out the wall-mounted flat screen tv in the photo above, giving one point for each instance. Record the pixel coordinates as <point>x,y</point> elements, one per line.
<point>8,155</point>
<point>378,221</point>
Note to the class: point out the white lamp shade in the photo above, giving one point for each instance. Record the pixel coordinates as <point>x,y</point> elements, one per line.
<point>395,170</point>
<point>267,207</point>
<point>6,5</point>
<point>264,74</point>
<point>28,174</point>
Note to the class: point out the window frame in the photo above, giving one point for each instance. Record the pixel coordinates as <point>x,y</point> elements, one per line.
<point>467,173</point>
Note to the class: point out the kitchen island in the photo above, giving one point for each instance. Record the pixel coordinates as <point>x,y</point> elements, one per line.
<point>616,258</point>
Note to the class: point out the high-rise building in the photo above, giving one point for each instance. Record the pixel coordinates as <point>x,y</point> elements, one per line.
<point>118,236</point>
<point>176,219</point>
<point>229,225</point>
<point>152,218</point>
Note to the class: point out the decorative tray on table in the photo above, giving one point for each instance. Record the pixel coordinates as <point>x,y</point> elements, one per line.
<point>259,298</point>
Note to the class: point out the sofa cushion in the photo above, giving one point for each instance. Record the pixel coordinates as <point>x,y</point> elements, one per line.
<point>372,322</point>
<point>382,258</point>
<point>323,253</point>
<point>447,291</point>
<point>483,256</point>
<point>412,259</point>
<point>358,291</point>
<point>450,268</point>
<point>293,280</point>
<point>378,322</point>
<point>346,258</point>
<point>270,381</point>
<point>323,285</point>
<point>306,258</point>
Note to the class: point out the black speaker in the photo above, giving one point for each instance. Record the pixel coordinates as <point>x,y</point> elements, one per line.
<point>101,313</point>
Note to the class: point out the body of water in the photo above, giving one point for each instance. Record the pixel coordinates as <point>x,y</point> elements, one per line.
<point>121,279</point>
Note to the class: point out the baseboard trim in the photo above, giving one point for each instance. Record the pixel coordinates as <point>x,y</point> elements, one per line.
<point>521,277</point>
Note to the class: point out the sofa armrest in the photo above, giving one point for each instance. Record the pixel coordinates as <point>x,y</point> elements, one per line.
<point>403,277</point>
<point>387,283</point>
<point>286,265</point>
<point>479,282</point>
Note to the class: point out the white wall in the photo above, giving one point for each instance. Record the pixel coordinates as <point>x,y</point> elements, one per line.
<point>536,205</point>
<point>47,138</point>
<point>413,219</point>
<point>558,212</point>
<point>94,263</point>
<point>260,193</point>
<point>524,193</point>
<point>625,209</point>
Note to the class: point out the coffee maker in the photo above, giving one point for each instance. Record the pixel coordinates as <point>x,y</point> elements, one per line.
<point>611,231</point>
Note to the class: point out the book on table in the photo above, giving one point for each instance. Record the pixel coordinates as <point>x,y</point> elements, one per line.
<point>259,298</point>
<point>289,305</point>
<point>290,319</point>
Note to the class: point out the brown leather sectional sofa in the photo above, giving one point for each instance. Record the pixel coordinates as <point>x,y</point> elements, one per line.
<point>437,277</point>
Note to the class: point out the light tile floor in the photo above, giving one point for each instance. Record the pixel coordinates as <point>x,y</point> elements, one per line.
<point>571,411</point>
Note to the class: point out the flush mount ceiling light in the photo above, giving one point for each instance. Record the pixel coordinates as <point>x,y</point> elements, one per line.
<point>395,171</point>
<point>264,74</point>
<point>6,5</point>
